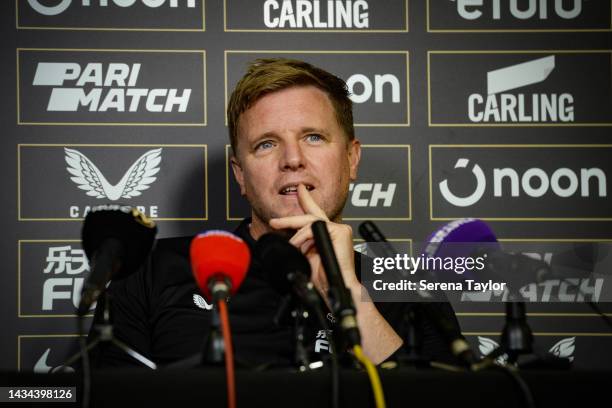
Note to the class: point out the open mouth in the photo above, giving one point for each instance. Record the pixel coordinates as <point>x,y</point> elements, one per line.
<point>292,189</point>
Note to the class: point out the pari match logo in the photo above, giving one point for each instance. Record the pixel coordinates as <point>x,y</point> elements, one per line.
<point>316,15</point>
<point>377,80</point>
<point>106,87</point>
<point>518,15</point>
<point>506,88</point>
<point>111,15</point>
<point>511,182</point>
<point>63,182</point>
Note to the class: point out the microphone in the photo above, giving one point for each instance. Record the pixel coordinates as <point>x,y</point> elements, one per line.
<point>480,241</point>
<point>339,296</point>
<point>116,240</point>
<point>286,268</point>
<point>447,327</point>
<point>219,262</point>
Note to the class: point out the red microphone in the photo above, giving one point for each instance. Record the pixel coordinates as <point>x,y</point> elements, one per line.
<point>219,261</point>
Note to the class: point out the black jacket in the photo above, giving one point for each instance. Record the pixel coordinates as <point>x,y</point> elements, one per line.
<point>159,312</point>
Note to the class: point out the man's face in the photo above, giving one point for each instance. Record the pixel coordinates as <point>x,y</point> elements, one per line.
<point>290,137</point>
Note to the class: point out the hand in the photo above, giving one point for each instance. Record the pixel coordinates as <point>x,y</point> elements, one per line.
<point>341,236</point>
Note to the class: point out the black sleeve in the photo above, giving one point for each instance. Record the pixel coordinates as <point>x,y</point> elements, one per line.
<point>435,347</point>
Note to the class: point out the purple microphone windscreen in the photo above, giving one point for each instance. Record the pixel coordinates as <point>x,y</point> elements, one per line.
<point>464,237</point>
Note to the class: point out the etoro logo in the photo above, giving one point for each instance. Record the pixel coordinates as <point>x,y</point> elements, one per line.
<point>534,182</point>
<point>520,10</point>
<point>62,5</point>
<point>499,106</point>
<point>90,179</point>
<point>104,87</point>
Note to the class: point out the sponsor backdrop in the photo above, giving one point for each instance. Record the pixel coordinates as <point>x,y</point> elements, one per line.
<point>496,109</point>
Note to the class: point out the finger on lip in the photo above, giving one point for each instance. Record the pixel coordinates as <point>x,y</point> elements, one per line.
<point>308,203</point>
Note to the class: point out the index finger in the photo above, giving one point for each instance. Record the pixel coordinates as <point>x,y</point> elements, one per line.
<point>308,203</point>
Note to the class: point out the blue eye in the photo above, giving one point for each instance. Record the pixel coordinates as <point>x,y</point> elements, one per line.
<point>314,137</point>
<point>264,145</point>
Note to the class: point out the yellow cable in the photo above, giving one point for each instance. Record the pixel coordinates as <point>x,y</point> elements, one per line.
<point>379,397</point>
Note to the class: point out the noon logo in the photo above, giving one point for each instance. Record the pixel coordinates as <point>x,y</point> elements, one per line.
<point>62,5</point>
<point>533,182</point>
<point>377,81</point>
<point>512,182</point>
<point>133,15</point>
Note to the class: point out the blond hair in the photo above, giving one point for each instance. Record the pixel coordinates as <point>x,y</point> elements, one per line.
<point>269,75</point>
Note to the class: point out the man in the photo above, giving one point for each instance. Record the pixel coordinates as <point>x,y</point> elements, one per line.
<point>294,155</point>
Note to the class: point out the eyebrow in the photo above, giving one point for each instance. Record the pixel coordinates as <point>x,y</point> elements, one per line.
<point>302,130</point>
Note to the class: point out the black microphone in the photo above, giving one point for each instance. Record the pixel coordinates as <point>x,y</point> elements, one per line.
<point>116,240</point>
<point>286,268</point>
<point>339,295</point>
<point>446,327</point>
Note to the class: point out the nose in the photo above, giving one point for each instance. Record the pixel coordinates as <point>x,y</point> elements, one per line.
<point>292,156</point>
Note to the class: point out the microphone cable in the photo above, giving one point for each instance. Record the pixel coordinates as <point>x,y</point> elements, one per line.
<point>229,354</point>
<point>379,397</point>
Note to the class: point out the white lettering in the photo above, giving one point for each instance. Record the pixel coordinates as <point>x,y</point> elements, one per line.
<point>514,108</point>
<point>520,9</point>
<point>379,84</point>
<point>310,14</point>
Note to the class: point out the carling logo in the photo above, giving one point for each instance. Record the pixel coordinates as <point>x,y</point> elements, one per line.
<point>513,88</point>
<point>316,15</point>
<point>510,182</point>
<point>111,14</point>
<point>498,105</point>
<point>89,178</point>
<point>111,87</point>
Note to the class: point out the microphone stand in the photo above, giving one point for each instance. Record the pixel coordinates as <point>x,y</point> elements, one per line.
<point>413,345</point>
<point>105,334</point>
<point>214,350</point>
<point>290,312</point>
<point>517,337</point>
<point>301,354</point>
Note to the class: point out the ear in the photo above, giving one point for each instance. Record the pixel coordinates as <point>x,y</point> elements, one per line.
<point>238,174</point>
<point>354,152</point>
